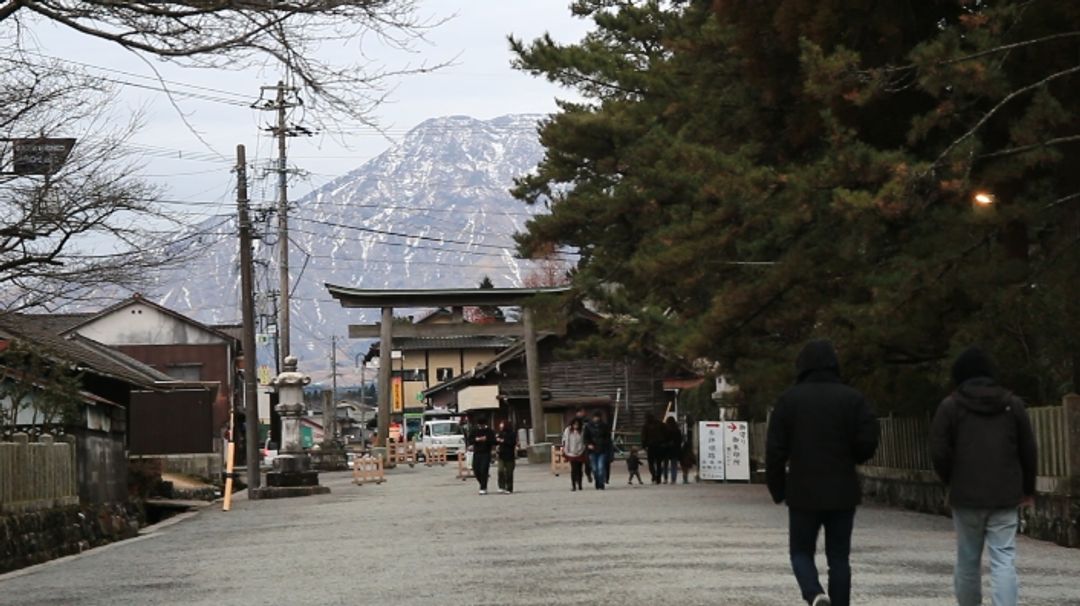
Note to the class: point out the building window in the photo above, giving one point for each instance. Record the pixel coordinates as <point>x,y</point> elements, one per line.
<point>415,374</point>
<point>184,372</point>
<point>444,374</point>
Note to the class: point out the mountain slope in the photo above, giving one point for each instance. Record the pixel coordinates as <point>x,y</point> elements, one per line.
<point>432,211</point>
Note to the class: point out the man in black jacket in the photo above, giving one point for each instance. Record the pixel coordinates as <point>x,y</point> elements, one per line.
<point>480,441</point>
<point>598,445</point>
<point>984,449</point>
<point>819,431</point>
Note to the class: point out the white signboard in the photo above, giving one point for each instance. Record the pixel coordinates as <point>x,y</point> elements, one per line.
<point>736,450</point>
<point>711,450</point>
<point>478,397</point>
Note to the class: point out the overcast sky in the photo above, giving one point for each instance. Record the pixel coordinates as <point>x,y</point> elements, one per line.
<point>480,83</point>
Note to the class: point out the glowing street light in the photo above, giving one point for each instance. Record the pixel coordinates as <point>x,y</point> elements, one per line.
<point>983,198</point>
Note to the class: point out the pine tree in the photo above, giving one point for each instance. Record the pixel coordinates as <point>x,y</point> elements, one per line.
<point>744,176</point>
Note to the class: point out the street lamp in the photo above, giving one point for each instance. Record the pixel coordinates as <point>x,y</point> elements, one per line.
<point>983,198</point>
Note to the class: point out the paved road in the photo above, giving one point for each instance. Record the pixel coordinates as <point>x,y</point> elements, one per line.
<point>426,538</point>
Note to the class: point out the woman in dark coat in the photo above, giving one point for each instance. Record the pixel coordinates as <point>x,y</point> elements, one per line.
<point>652,438</point>
<point>672,451</point>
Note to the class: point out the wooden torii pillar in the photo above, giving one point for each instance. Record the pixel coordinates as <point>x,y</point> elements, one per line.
<point>388,300</point>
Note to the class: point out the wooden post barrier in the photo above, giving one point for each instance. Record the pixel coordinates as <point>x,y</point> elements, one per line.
<point>435,455</point>
<point>400,452</point>
<point>559,463</point>
<point>464,471</point>
<point>368,469</point>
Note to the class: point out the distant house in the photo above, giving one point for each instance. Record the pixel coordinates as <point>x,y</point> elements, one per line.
<point>108,382</point>
<point>423,362</point>
<point>626,389</point>
<point>186,426</point>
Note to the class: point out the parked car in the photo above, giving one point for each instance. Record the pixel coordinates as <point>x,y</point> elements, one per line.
<point>269,453</point>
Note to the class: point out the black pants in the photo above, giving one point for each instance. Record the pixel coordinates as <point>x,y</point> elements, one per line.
<point>481,466</point>
<point>635,474</point>
<point>577,469</point>
<point>654,461</point>
<point>802,535</point>
<point>588,468</point>
<point>506,474</point>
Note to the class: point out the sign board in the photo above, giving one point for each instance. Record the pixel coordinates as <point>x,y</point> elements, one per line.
<point>397,403</point>
<point>40,156</point>
<point>264,375</point>
<point>477,397</point>
<point>736,451</point>
<point>711,450</point>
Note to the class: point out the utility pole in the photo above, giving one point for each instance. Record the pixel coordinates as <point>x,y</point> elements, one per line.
<point>281,131</point>
<point>247,311</point>
<point>331,417</point>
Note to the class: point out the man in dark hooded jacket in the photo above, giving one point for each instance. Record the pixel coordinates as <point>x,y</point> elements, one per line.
<point>983,448</point>
<point>819,431</point>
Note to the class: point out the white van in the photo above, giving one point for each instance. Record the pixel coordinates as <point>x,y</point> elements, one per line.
<point>443,432</point>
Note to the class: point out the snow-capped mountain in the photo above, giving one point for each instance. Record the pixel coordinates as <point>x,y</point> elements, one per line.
<point>432,211</point>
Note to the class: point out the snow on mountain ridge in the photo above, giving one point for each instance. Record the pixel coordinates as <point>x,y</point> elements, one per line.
<point>431,211</point>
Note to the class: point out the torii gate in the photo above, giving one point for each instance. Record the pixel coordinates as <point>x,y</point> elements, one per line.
<point>387,300</point>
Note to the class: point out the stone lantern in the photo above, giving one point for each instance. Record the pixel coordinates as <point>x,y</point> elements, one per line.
<point>292,474</point>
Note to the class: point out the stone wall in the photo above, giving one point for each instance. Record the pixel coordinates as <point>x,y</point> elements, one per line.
<point>39,536</point>
<point>1055,517</point>
<point>207,466</point>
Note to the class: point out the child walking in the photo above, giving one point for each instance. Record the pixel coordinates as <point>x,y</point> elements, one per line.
<point>633,465</point>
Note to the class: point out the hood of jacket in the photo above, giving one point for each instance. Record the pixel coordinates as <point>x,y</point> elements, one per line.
<point>982,396</point>
<point>973,363</point>
<point>817,358</point>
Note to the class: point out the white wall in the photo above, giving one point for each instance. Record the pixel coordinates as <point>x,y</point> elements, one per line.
<point>139,324</point>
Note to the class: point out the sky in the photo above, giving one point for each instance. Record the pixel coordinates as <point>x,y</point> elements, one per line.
<point>197,168</point>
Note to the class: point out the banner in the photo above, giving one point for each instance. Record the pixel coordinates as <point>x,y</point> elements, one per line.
<point>736,451</point>
<point>711,450</point>
<point>398,392</point>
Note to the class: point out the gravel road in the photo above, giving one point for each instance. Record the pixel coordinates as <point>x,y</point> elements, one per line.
<point>427,538</point>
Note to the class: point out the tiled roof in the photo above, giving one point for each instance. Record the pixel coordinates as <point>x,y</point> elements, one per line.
<point>422,343</point>
<point>84,353</point>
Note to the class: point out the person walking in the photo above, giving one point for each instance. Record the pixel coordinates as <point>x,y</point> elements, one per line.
<point>481,440</point>
<point>820,429</point>
<point>507,443</point>
<point>672,451</point>
<point>633,465</point>
<point>598,445</point>
<point>573,444</point>
<point>652,441</point>
<point>984,450</point>
<point>579,414</point>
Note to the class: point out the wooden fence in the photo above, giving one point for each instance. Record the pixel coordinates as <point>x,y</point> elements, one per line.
<point>905,443</point>
<point>36,475</point>
<point>1052,436</point>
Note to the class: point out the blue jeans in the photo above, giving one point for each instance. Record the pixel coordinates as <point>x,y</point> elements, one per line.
<point>996,529</point>
<point>598,460</point>
<point>803,527</point>
<point>674,467</point>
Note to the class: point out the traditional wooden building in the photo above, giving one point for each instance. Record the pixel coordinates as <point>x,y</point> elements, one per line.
<point>625,389</point>
<point>423,362</point>
<point>109,383</point>
<point>185,425</point>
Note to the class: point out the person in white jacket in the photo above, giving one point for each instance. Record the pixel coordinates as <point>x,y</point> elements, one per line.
<point>573,442</point>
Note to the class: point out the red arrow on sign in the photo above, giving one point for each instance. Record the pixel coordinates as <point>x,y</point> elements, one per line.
<point>733,427</point>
